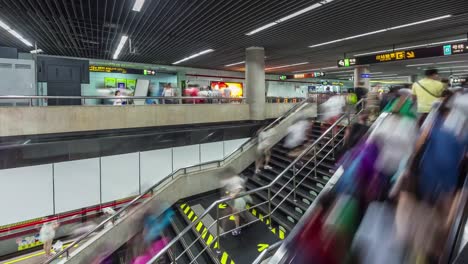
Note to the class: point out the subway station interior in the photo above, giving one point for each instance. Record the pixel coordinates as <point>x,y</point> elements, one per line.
<point>224,131</point>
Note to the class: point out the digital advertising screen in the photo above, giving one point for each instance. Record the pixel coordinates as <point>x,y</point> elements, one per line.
<point>237,89</point>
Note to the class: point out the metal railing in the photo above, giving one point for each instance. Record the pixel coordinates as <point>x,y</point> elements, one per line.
<point>296,172</point>
<point>39,100</point>
<point>218,163</point>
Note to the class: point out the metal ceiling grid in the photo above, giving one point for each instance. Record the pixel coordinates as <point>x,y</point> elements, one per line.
<point>168,30</point>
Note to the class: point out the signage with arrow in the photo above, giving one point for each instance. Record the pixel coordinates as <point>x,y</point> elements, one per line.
<point>261,247</point>
<point>400,55</point>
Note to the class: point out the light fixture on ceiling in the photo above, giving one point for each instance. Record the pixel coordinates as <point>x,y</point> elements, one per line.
<point>454,71</point>
<point>450,62</point>
<point>409,47</point>
<point>233,64</point>
<point>14,33</point>
<point>452,67</point>
<point>119,48</point>
<point>36,51</point>
<point>138,5</point>
<point>286,66</point>
<point>381,30</point>
<point>419,64</point>
<point>295,14</point>
<point>194,56</point>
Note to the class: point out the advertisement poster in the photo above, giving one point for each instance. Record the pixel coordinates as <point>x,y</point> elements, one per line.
<point>121,83</point>
<point>236,89</point>
<point>131,84</point>
<point>110,82</point>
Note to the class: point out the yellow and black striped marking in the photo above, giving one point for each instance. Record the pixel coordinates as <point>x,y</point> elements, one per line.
<point>279,231</point>
<point>206,235</point>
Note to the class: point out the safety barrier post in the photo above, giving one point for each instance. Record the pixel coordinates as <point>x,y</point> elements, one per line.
<point>218,250</point>
<point>294,181</point>
<point>269,207</point>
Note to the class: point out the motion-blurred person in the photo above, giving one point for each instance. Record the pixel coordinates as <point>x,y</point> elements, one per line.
<point>373,103</point>
<point>354,133</point>
<point>47,235</point>
<point>118,101</point>
<point>168,92</point>
<point>265,142</point>
<point>446,83</point>
<point>297,136</point>
<point>390,96</point>
<point>234,185</point>
<point>427,91</point>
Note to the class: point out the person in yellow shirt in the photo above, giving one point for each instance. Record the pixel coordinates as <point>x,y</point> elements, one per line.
<point>428,91</point>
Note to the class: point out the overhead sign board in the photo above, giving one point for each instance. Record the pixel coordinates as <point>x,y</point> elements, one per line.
<point>306,75</point>
<point>437,51</point>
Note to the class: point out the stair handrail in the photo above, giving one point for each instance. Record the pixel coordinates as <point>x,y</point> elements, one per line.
<point>122,210</point>
<point>265,187</point>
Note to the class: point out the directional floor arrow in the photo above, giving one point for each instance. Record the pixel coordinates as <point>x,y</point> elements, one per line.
<point>262,247</point>
<point>222,206</point>
<point>232,218</point>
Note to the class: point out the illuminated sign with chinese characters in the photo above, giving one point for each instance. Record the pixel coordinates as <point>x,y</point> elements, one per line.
<point>401,55</point>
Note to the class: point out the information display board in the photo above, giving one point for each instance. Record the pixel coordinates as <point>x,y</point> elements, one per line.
<point>304,75</point>
<point>401,55</point>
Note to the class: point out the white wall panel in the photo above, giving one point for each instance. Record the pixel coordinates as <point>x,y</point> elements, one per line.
<point>186,156</point>
<point>154,165</point>
<point>211,151</point>
<point>231,145</point>
<point>119,176</point>
<point>26,193</point>
<point>76,184</point>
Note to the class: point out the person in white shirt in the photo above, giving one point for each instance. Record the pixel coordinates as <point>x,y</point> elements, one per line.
<point>118,101</point>
<point>265,142</point>
<point>168,92</point>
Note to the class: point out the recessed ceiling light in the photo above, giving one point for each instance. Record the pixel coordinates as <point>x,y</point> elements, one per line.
<point>381,30</point>
<point>123,39</point>
<point>285,66</point>
<point>138,5</point>
<point>450,62</point>
<point>452,67</point>
<point>317,69</point>
<point>233,64</point>
<point>420,64</point>
<point>14,33</point>
<point>295,14</point>
<point>409,47</point>
<point>194,56</point>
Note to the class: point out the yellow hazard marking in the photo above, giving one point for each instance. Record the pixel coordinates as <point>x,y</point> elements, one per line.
<point>205,231</point>
<point>183,206</point>
<point>281,234</point>
<point>222,206</point>
<point>210,239</point>
<point>254,212</point>
<point>261,217</point>
<point>261,247</point>
<point>216,245</point>
<point>232,218</point>
<point>35,255</point>
<point>199,226</point>
<point>273,230</point>
<point>187,209</point>
<point>224,258</point>
<point>190,215</point>
<point>247,206</point>
<point>195,218</point>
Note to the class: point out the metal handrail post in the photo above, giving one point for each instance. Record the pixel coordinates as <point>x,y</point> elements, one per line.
<point>333,143</point>
<point>269,207</point>
<point>218,250</point>
<point>315,161</point>
<point>294,182</point>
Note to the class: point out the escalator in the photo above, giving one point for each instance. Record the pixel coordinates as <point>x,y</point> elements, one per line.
<point>290,199</point>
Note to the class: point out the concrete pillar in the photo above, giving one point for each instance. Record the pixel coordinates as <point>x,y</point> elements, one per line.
<point>358,80</point>
<point>255,81</point>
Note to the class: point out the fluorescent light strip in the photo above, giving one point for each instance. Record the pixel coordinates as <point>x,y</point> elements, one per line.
<point>123,39</point>
<point>194,56</point>
<point>455,71</point>
<point>288,17</point>
<point>15,34</point>
<point>380,31</point>
<point>420,64</point>
<point>138,5</point>
<point>286,66</point>
<point>452,67</point>
<point>236,63</point>
<point>450,62</point>
<point>410,47</point>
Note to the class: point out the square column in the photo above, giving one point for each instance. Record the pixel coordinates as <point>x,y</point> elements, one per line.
<point>255,81</point>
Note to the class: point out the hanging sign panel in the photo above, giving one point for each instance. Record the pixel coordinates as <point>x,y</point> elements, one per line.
<point>437,51</point>
<point>305,75</point>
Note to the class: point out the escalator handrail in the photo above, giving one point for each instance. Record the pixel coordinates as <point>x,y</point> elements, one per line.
<point>227,199</point>
<point>170,176</point>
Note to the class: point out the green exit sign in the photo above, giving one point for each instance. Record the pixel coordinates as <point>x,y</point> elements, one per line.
<point>283,77</point>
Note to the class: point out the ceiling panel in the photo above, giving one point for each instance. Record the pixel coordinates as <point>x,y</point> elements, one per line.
<point>168,30</point>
